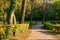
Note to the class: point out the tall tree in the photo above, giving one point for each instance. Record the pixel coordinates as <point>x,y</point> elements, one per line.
<point>11,15</point>
<point>23,10</point>
<point>44,7</point>
<point>32,9</point>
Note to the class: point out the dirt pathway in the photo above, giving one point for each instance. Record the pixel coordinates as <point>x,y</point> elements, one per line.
<point>40,34</point>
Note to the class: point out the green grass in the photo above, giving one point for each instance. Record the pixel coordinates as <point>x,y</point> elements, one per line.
<point>38,22</point>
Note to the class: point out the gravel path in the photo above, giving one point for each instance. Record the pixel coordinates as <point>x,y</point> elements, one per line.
<point>40,34</point>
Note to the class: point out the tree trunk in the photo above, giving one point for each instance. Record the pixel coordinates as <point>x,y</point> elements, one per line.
<point>32,9</point>
<point>3,15</point>
<point>23,10</point>
<point>43,17</point>
<point>43,12</point>
<point>31,18</point>
<point>14,20</point>
<point>11,18</point>
<point>10,15</point>
<point>3,18</point>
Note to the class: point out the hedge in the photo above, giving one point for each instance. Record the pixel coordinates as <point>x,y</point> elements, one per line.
<point>9,30</point>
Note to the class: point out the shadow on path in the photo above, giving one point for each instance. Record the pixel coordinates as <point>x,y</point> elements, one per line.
<point>39,33</point>
<point>38,26</point>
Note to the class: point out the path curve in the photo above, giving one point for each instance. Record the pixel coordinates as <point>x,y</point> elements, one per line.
<point>40,34</point>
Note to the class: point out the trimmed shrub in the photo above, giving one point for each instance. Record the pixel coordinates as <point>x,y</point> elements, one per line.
<point>8,30</point>
<point>57,28</point>
<point>48,25</point>
<point>5,31</point>
<point>20,28</point>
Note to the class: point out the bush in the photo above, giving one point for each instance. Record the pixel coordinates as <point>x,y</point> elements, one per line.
<point>48,25</point>
<point>9,30</point>
<point>56,28</point>
<point>20,28</point>
<point>5,31</point>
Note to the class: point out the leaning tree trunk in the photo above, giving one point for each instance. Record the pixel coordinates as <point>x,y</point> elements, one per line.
<point>14,20</point>
<point>10,15</point>
<point>23,10</point>
<point>11,18</point>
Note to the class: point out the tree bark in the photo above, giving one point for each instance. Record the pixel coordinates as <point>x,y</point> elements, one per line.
<point>43,14</point>
<point>10,15</point>
<point>23,10</point>
<point>3,18</point>
<point>43,11</point>
<point>14,20</point>
<point>32,9</point>
<point>11,18</point>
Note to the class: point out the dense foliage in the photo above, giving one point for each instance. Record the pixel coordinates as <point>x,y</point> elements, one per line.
<point>21,10</point>
<point>51,12</point>
<point>48,25</point>
<point>5,31</point>
<point>8,30</point>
